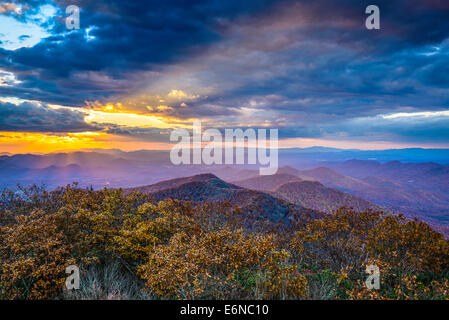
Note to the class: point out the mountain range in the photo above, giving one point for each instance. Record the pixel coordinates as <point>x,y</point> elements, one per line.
<point>209,188</point>
<point>418,190</point>
<point>307,193</point>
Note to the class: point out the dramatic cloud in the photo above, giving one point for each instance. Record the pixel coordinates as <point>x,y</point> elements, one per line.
<point>310,68</point>
<point>36,117</point>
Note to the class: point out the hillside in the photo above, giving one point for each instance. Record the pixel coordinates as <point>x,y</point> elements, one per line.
<point>267,183</point>
<point>175,183</point>
<point>333,179</point>
<point>128,246</point>
<point>314,195</point>
<point>209,188</point>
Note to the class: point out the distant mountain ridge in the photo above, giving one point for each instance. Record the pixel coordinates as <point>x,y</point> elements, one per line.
<point>267,183</point>
<point>314,195</point>
<point>418,190</point>
<point>175,183</point>
<point>307,193</point>
<point>209,188</point>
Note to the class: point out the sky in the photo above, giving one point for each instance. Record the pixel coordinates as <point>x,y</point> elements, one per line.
<point>136,70</point>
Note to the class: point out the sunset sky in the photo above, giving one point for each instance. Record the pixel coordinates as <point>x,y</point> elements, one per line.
<point>135,70</point>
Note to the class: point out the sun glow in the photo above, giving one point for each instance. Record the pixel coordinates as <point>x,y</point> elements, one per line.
<point>117,114</point>
<point>22,142</point>
<point>27,142</point>
<point>126,119</point>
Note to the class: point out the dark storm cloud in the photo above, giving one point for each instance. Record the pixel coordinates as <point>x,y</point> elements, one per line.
<point>142,134</point>
<point>126,37</point>
<point>418,129</point>
<point>130,37</point>
<point>35,117</point>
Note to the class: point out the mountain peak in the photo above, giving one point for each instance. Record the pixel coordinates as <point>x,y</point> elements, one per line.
<point>175,183</point>
<point>267,183</point>
<point>208,188</point>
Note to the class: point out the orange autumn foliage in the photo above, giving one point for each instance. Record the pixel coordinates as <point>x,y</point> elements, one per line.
<point>180,250</point>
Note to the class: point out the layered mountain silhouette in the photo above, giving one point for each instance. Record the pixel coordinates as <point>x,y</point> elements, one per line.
<point>267,183</point>
<point>418,190</point>
<point>209,188</point>
<point>314,195</point>
<point>334,179</point>
<point>307,193</point>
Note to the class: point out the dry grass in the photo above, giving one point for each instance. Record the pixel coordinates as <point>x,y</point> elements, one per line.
<point>110,282</point>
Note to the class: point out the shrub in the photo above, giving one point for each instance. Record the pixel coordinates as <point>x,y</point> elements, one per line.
<point>130,247</point>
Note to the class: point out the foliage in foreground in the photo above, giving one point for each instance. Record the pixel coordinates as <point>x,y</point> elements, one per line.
<point>129,247</point>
